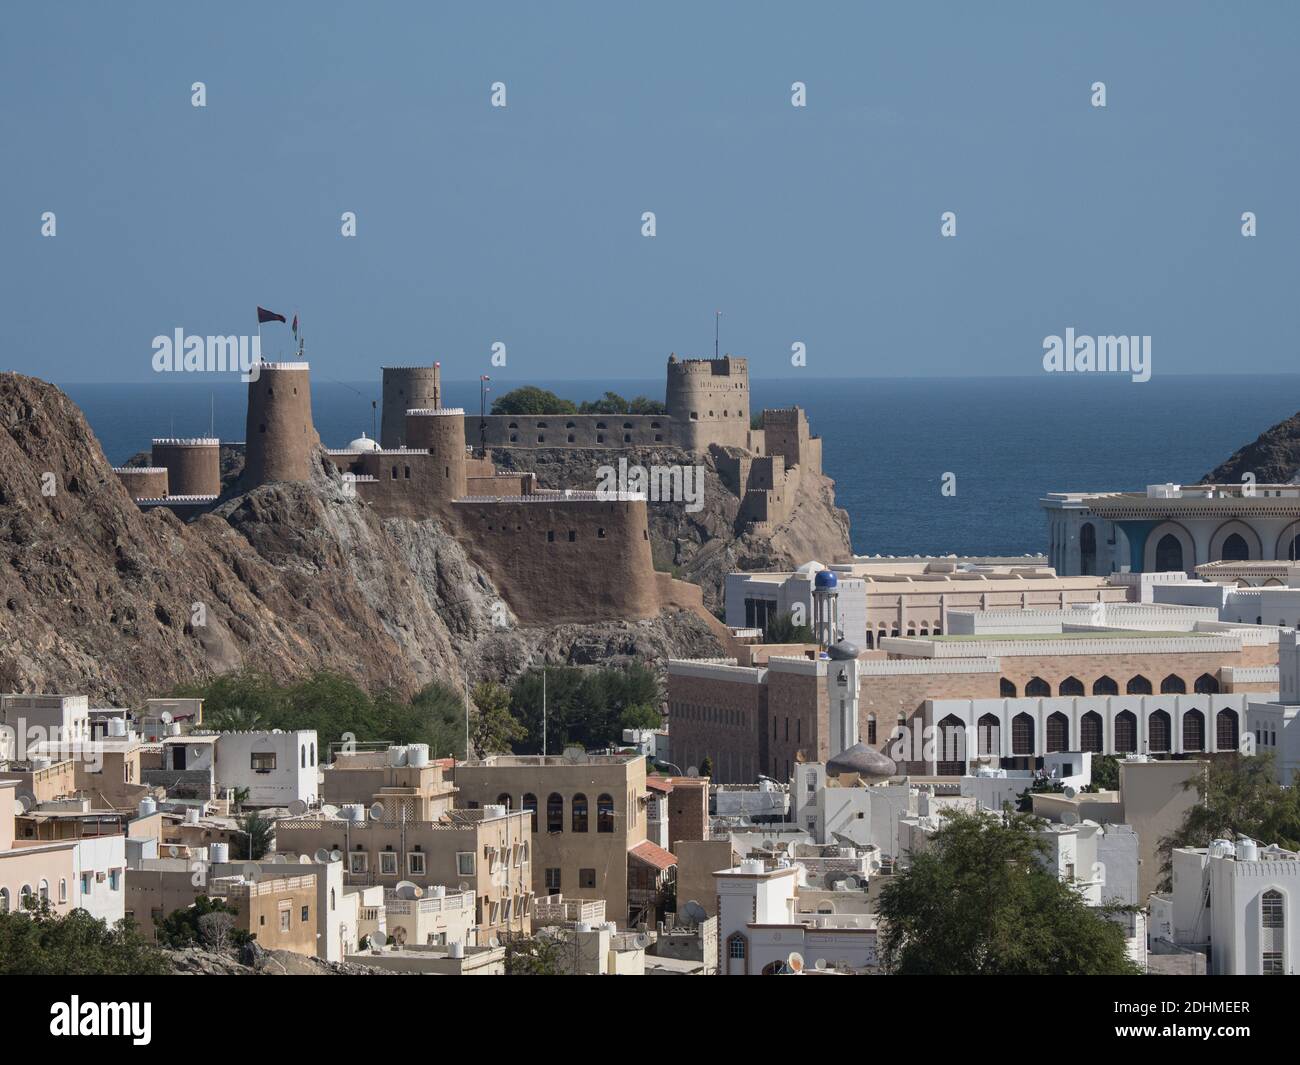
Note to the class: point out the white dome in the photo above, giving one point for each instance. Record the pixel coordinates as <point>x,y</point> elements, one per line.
<point>363,443</point>
<point>810,568</point>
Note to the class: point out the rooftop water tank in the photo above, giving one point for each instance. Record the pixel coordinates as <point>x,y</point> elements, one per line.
<point>1247,849</point>
<point>751,866</point>
<point>116,726</point>
<point>218,852</point>
<point>456,949</point>
<point>396,756</point>
<point>192,815</point>
<point>354,811</point>
<point>417,754</point>
<point>148,807</point>
<point>438,891</point>
<point>1221,848</point>
<point>492,809</point>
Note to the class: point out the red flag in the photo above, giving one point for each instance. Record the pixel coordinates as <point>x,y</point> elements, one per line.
<point>263,315</point>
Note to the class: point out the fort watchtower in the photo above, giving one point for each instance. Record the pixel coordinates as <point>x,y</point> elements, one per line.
<point>708,400</point>
<point>441,432</point>
<point>280,434</point>
<point>193,465</point>
<point>407,388</point>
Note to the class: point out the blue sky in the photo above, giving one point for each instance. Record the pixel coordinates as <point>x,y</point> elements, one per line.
<point>523,225</point>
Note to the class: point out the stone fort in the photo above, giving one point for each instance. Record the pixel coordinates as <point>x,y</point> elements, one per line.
<point>556,555</point>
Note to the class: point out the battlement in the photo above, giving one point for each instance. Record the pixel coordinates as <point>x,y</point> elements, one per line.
<point>192,441</point>
<point>436,412</point>
<point>726,366</point>
<point>139,469</point>
<point>282,365</point>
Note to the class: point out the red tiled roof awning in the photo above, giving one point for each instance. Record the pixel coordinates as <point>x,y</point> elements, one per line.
<point>653,855</point>
<point>659,784</point>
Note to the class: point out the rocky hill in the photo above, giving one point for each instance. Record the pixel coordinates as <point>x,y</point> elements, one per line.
<point>704,546</point>
<point>98,596</point>
<point>1274,458</point>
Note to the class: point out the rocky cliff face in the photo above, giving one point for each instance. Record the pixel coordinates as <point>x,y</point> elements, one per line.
<point>1274,458</point>
<point>98,596</point>
<point>704,546</point>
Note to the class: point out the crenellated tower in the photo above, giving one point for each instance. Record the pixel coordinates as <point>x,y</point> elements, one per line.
<point>407,388</point>
<point>280,436</point>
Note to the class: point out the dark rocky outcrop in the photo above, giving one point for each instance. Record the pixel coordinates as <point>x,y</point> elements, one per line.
<point>101,597</point>
<point>1274,458</point>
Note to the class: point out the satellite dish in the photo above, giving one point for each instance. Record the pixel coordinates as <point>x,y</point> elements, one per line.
<point>280,859</point>
<point>336,856</point>
<point>464,886</point>
<point>642,941</point>
<point>494,942</point>
<point>297,808</point>
<point>329,811</point>
<point>407,889</point>
<point>304,859</point>
<point>1069,818</point>
<point>378,939</point>
<point>165,717</point>
<point>574,754</point>
<point>377,811</point>
<point>20,805</point>
<point>399,935</point>
<point>694,912</point>
<point>1069,792</point>
<point>251,872</point>
<point>794,962</point>
<point>692,771</point>
<point>322,855</point>
<point>820,965</point>
<point>173,850</point>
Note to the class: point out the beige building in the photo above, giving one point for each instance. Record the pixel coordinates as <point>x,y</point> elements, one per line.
<point>280,912</point>
<point>587,813</point>
<point>487,851</point>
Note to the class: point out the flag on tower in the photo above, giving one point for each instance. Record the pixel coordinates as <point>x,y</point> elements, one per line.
<point>263,315</point>
<point>295,326</point>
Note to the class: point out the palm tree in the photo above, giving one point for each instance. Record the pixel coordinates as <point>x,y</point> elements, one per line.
<point>235,719</point>
<point>254,837</point>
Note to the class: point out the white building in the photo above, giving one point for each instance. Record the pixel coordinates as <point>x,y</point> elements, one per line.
<point>1171,527</point>
<point>29,720</point>
<point>761,928</point>
<point>276,767</point>
<point>1240,903</point>
<point>1272,723</point>
<point>99,881</point>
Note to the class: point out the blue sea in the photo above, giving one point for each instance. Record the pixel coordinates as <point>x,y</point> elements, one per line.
<point>887,442</point>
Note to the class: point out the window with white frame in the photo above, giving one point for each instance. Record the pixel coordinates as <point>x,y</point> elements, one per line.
<point>465,863</point>
<point>388,863</point>
<point>358,861</point>
<point>415,863</point>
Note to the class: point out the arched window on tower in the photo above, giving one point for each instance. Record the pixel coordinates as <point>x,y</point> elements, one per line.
<point>555,812</point>
<point>1193,731</point>
<point>1105,686</point>
<point>1058,733</point>
<point>1126,732</point>
<point>1071,686</point>
<point>1173,685</point>
<point>1159,732</point>
<point>578,805</point>
<point>1037,688</point>
<point>1138,685</point>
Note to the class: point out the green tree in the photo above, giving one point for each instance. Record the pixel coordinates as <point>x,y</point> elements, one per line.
<point>609,403</point>
<point>493,728</point>
<point>1239,796</point>
<point>706,766</point>
<point>1105,773</point>
<point>41,943</point>
<point>980,901</point>
<point>234,719</point>
<point>253,839</point>
<point>530,400</point>
<point>782,629</point>
<point>184,927</point>
<point>644,405</point>
<point>647,717</point>
<point>534,956</point>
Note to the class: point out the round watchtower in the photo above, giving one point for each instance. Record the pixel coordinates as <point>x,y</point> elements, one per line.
<point>708,400</point>
<point>407,388</point>
<point>193,465</point>
<point>280,435</point>
<point>143,482</point>
<point>441,432</point>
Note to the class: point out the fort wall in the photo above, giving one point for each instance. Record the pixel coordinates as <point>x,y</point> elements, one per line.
<point>564,559</point>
